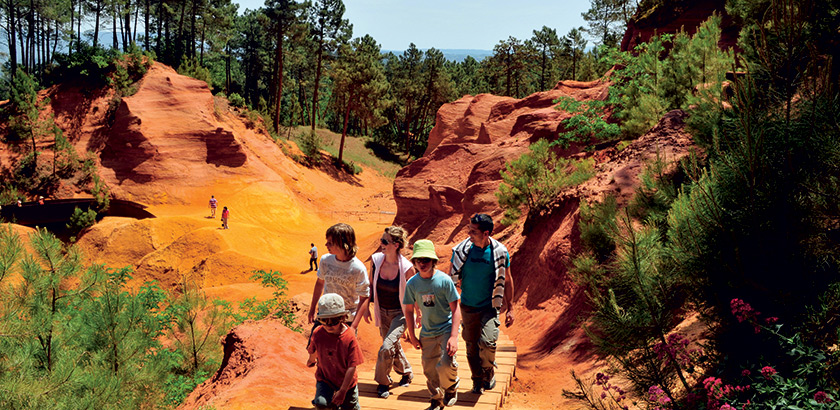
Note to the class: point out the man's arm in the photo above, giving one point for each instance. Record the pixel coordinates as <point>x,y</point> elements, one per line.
<point>338,397</point>
<point>507,304</point>
<point>316,294</point>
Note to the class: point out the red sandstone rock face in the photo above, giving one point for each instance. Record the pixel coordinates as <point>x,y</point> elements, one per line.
<point>264,367</point>
<point>472,140</point>
<point>166,142</point>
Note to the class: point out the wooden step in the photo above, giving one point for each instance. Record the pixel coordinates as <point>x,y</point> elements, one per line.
<point>416,395</point>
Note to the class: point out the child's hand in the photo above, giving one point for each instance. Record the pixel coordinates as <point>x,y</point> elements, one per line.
<point>452,345</point>
<point>413,340</point>
<point>366,315</point>
<point>338,397</point>
<point>311,361</point>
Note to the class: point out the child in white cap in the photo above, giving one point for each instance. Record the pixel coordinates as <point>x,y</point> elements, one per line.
<point>337,353</point>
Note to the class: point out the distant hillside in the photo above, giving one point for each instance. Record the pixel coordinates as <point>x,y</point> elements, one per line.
<point>456,55</point>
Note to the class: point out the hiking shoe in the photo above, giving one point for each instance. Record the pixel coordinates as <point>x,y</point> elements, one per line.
<point>383,391</point>
<point>450,398</point>
<point>478,387</point>
<point>436,405</point>
<point>489,378</point>
<point>406,379</point>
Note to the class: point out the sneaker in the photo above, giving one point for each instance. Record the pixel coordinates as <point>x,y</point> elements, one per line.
<point>450,398</point>
<point>406,379</point>
<point>478,387</point>
<point>383,391</point>
<point>489,378</point>
<point>436,405</point>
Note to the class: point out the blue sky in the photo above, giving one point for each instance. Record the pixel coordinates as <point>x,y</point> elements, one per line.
<point>454,24</point>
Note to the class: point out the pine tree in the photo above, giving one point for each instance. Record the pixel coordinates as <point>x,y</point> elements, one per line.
<point>328,29</point>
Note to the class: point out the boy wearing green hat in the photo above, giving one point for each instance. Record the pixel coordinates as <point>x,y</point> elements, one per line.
<point>434,293</point>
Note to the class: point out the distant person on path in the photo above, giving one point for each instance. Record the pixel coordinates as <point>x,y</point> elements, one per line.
<point>40,200</point>
<point>341,272</point>
<point>213,204</point>
<point>434,293</point>
<point>336,351</point>
<point>313,257</point>
<point>481,266</point>
<point>389,271</point>
<point>225,216</point>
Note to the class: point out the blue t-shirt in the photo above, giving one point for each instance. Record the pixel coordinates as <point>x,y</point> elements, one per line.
<point>478,276</point>
<point>433,296</point>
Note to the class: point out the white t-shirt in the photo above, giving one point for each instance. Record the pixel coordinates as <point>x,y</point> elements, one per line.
<point>348,279</point>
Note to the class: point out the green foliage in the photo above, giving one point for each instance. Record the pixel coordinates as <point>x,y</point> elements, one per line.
<point>101,194</point>
<point>536,178</point>
<point>179,386</point>
<point>81,220</point>
<point>658,188</point>
<point>236,100</point>
<point>24,106</point>
<point>761,205</point>
<point>310,144</point>
<point>690,76</point>
<point>597,225</point>
<point>198,324</point>
<point>277,307</point>
<point>191,67</point>
<point>586,123</point>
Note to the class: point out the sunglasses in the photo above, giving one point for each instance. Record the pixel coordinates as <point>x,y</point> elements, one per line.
<point>331,321</point>
<point>423,260</point>
<point>384,241</point>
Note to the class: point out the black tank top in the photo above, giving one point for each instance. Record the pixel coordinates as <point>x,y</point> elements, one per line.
<point>388,292</point>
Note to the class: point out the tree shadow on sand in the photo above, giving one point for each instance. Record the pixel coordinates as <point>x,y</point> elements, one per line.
<point>328,165</point>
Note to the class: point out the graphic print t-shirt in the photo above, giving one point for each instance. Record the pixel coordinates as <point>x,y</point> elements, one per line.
<point>348,279</point>
<point>433,296</point>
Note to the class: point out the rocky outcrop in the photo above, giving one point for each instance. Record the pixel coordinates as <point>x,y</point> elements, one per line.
<point>469,146</point>
<point>256,354</point>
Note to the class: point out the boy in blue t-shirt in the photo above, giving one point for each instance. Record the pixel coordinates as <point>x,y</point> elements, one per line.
<point>434,293</point>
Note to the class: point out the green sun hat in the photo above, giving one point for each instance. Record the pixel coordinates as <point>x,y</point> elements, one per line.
<point>424,248</point>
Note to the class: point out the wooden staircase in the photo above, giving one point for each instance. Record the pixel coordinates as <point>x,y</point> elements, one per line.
<point>416,396</point>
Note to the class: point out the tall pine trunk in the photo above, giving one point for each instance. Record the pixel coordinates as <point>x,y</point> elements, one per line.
<point>344,128</point>
<point>279,92</point>
<point>317,84</point>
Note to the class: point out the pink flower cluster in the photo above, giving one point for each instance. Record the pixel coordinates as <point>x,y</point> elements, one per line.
<point>822,397</point>
<point>676,348</point>
<point>657,395</point>
<point>716,391</point>
<point>768,372</point>
<point>616,393</point>
<point>745,313</point>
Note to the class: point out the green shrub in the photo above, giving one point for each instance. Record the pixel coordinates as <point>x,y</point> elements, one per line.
<point>310,144</point>
<point>81,220</point>
<point>192,68</point>
<point>597,225</point>
<point>536,178</point>
<point>277,307</point>
<point>236,100</point>
<point>586,122</point>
